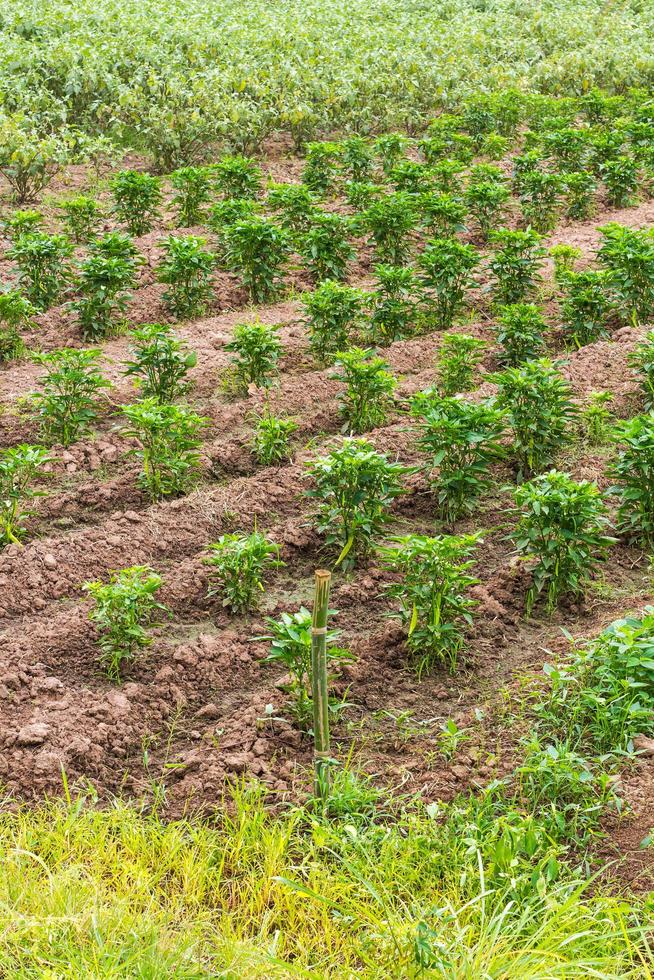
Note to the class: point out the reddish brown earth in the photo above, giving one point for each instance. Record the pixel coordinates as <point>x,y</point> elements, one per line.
<point>193,711</point>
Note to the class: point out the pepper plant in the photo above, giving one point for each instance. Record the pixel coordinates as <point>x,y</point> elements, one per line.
<point>562,526</point>
<point>539,411</point>
<point>389,222</point>
<point>520,332</point>
<point>43,269</point>
<point>19,465</point>
<point>137,199</point>
<point>294,203</point>
<point>256,250</point>
<point>447,271</point>
<point>334,313</point>
<point>22,222</point>
<point>81,216</point>
<point>458,359</point>
<point>354,486</point>
<point>435,575</point>
<point>369,389</point>
<point>238,176</point>
<point>271,442</point>
<point>641,361</point>
<point>123,610</point>
<point>257,349</point>
<point>159,362</point>
<point>186,269</point>
<point>290,647</point>
<point>627,254</point>
<point>192,187</point>
<point>443,214</point>
<point>515,264</point>
<point>169,442</point>
<point>580,189</point>
<point>325,248</point>
<point>462,440</point>
<point>321,167</point>
<point>585,306</point>
<point>16,314</point>
<point>634,470</point>
<point>394,308</point>
<point>238,563</point>
<point>67,406</point>
<point>103,284</point>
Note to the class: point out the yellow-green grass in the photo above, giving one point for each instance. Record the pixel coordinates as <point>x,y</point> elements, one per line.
<point>116,892</point>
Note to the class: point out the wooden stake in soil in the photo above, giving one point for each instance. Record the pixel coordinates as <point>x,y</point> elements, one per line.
<point>321,753</point>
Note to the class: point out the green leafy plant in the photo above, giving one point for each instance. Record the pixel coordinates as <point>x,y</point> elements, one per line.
<point>67,406</point>
<point>628,256</point>
<point>435,575</point>
<point>169,443</point>
<point>137,199</point>
<point>443,214</point>
<point>540,199</point>
<point>393,304</point>
<point>29,157</point>
<point>634,470</point>
<point>294,203</point>
<point>321,166</point>
<point>641,361</point>
<point>19,465</point>
<point>389,222</point>
<point>564,257</point>
<point>256,250</point>
<point>223,214</point>
<point>238,176</point>
<point>159,362</point>
<point>81,216</point>
<point>272,434</point>
<point>391,149</point>
<point>356,157</point>
<point>123,610</point>
<point>486,201</point>
<point>520,332</point>
<point>585,307</point>
<point>411,177</point>
<point>22,222</point>
<point>16,314</point>
<point>354,486</point>
<point>257,348</point>
<point>116,245</point>
<point>620,177</point>
<point>447,266</point>
<point>603,697</point>
<point>462,440</point>
<point>290,647</point>
<point>103,283</point>
<point>580,189</point>
<point>238,563</point>
<point>325,248</point>
<point>458,358</point>
<point>369,393</point>
<point>446,175</point>
<point>334,312</point>
<point>515,264</point>
<point>596,419</point>
<point>192,187</point>
<point>562,527</point>
<point>361,193</point>
<point>525,164</point>
<point>539,409</point>
<point>42,266</point>
<point>186,269</point>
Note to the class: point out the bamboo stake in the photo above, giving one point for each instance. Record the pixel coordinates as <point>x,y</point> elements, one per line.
<point>321,753</point>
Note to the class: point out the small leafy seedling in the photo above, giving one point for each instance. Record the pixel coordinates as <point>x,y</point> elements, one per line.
<point>238,563</point>
<point>169,445</point>
<point>369,389</point>
<point>256,348</point>
<point>123,610</point>
<point>19,465</point>
<point>159,363</point>
<point>271,442</point>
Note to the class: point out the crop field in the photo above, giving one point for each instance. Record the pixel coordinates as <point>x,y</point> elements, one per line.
<point>381,308</point>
